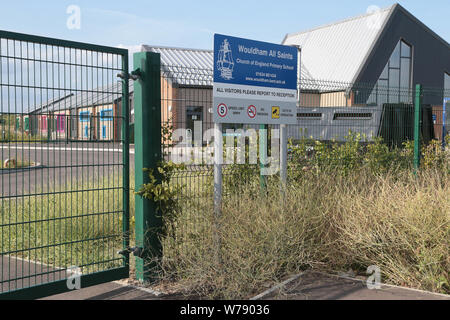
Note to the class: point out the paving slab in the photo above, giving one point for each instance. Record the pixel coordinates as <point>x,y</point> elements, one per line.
<point>107,291</point>
<point>319,286</point>
<point>309,286</point>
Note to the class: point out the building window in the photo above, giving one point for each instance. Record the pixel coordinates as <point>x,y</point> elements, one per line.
<point>394,84</point>
<point>84,116</point>
<point>447,85</point>
<point>193,114</point>
<point>106,115</point>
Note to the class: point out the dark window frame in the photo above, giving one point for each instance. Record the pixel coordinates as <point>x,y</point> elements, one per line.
<point>386,91</point>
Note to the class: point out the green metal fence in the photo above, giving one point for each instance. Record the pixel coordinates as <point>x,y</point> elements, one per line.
<point>337,124</point>
<point>64,179</point>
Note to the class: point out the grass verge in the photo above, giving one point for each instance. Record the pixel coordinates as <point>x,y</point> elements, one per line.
<point>77,225</point>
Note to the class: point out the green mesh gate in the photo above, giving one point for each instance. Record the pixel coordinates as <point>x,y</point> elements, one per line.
<point>64,174</point>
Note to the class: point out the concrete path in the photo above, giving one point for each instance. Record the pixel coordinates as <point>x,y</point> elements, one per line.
<point>107,291</point>
<point>310,286</point>
<point>318,286</point>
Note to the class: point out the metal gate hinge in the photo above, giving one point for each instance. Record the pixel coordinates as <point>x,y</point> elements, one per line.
<point>135,75</point>
<point>136,251</point>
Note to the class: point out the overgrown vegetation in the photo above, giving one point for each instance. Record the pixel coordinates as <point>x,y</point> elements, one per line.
<point>348,205</point>
<point>163,192</point>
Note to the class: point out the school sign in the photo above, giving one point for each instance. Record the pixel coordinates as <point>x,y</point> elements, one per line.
<point>254,82</point>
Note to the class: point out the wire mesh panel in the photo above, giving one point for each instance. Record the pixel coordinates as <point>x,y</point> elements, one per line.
<point>341,127</point>
<point>330,111</point>
<point>64,165</point>
<point>337,123</point>
<point>186,95</point>
<point>349,125</point>
<point>436,122</point>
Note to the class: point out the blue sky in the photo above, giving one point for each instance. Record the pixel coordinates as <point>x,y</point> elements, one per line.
<point>192,23</point>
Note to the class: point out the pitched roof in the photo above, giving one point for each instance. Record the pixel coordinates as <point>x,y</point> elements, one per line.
<point>98,96</point>
<point>336,52</point>
<point>185,66</point>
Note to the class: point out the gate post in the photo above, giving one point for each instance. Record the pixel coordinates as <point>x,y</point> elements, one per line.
<point>147,109</point>
<point>417,126</point>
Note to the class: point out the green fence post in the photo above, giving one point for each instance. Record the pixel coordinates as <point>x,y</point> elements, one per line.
<point>417,126</point>
<point>126,157</point>
<point>147,108</point>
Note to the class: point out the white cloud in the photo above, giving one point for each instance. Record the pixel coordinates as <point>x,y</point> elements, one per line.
<point>132,28</point>
<point>131,48</point>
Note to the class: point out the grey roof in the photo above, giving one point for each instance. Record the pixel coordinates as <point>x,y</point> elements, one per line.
<point>183,66</point>
<point>335,52</point>
<point>98,96</point>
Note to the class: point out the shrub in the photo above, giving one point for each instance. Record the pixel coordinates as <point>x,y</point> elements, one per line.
<point>433,155</point>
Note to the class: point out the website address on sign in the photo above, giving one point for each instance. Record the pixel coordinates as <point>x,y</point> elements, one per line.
<point>271,81</point>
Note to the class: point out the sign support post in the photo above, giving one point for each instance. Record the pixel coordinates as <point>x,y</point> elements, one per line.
<point>218,160</point>
<point>283,156</point>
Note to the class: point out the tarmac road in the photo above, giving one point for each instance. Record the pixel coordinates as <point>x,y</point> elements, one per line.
<point>74,163</point>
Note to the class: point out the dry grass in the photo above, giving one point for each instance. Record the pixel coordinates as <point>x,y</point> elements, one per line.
<point>327,222</point>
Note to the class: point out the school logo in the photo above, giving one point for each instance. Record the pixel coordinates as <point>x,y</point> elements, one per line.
<point>225,62</point>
